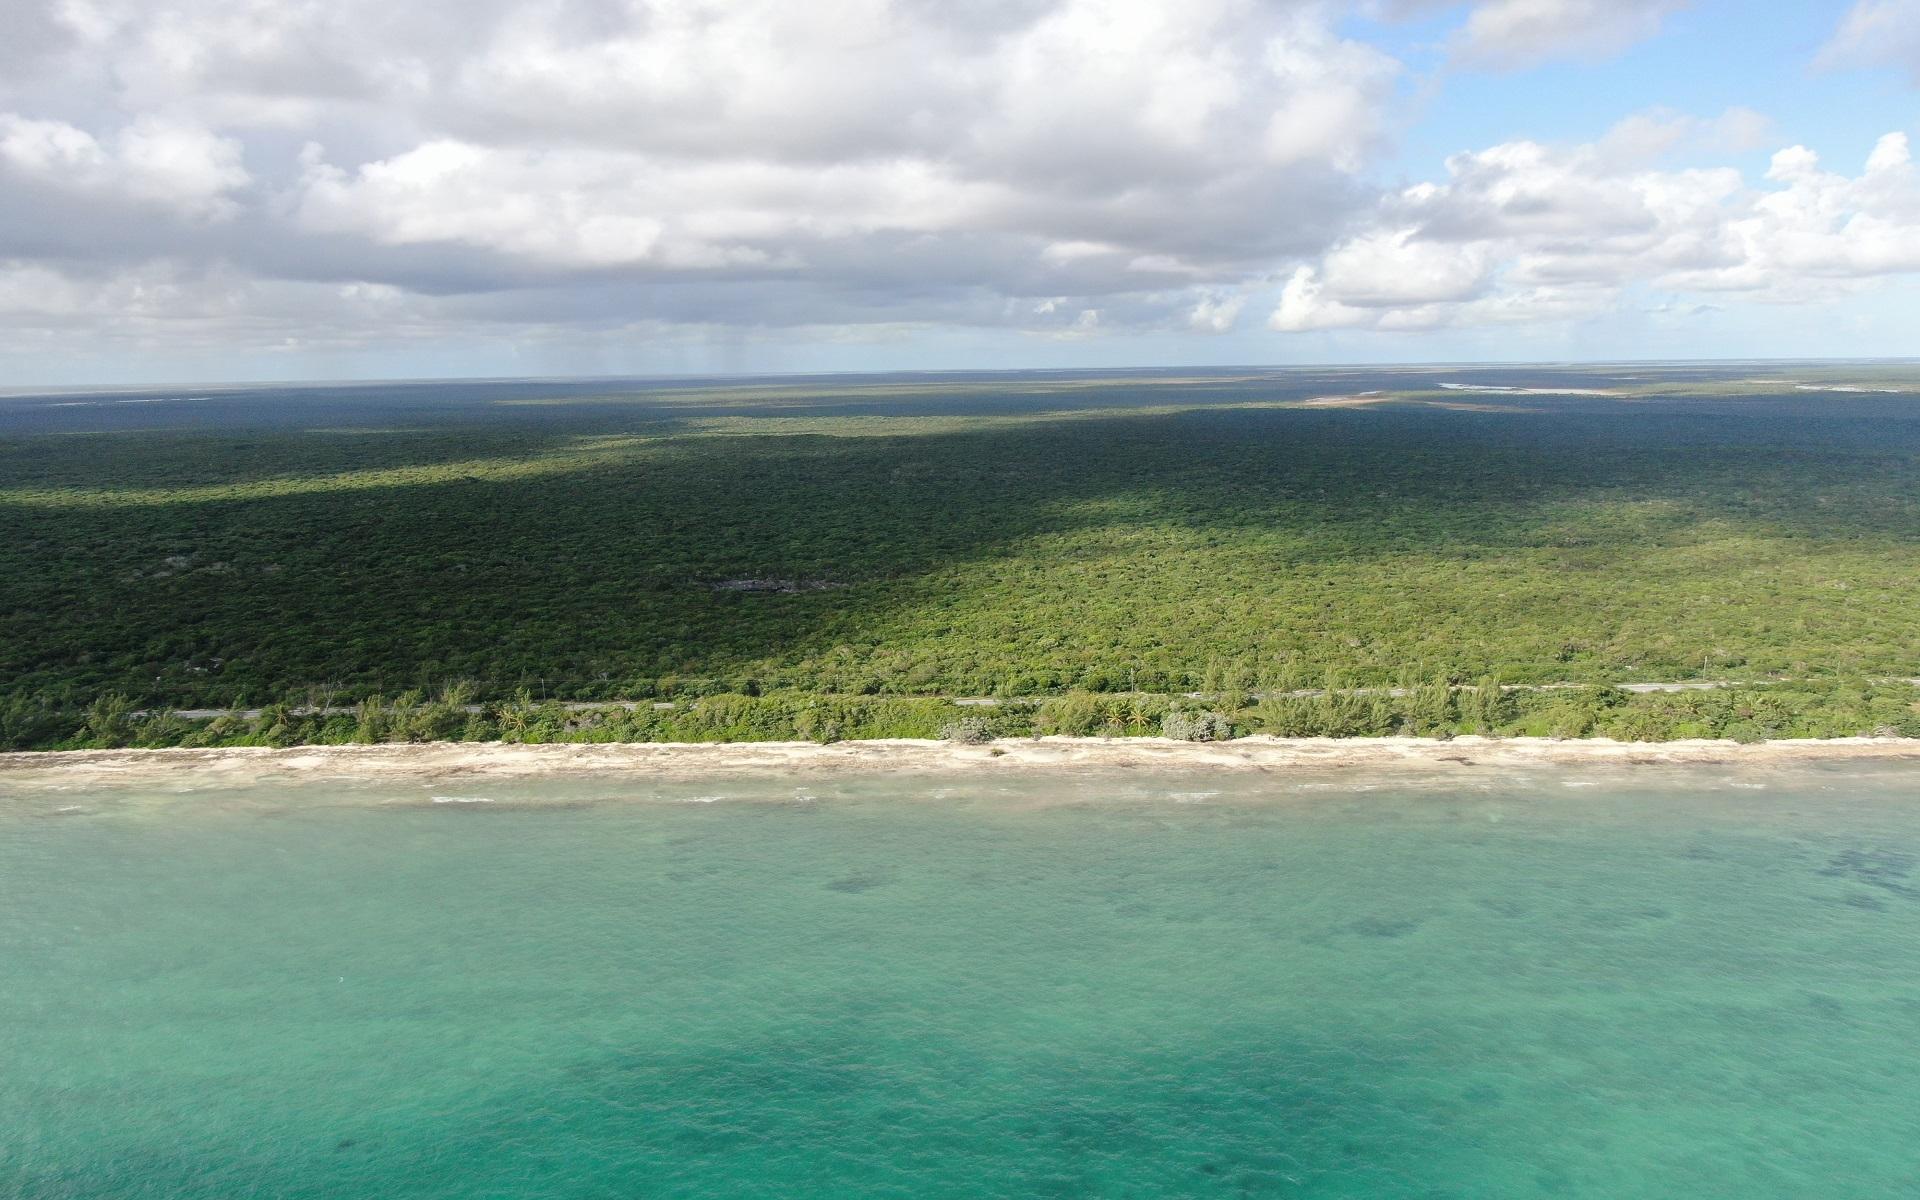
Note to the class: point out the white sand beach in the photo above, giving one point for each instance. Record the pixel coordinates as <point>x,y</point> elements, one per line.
<point>453,761</point>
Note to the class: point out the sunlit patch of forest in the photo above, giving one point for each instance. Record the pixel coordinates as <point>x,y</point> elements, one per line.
<point>1021,536</point>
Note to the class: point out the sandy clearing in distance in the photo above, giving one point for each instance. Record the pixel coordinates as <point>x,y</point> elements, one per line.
<point>1365,399</point>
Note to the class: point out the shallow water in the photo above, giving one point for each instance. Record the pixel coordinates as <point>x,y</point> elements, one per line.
<point>1649,982</point>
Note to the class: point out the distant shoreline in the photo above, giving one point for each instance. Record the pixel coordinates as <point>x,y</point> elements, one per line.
<point>438,761</point>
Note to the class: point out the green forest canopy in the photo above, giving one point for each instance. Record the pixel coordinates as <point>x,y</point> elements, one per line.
<point>1019,535</point>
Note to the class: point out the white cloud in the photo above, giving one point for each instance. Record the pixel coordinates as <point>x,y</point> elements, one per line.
<point>1216,314</point>
<point>1820,226</point>
<point>1394,269</point>
<point>567,209</point>
<point>1877,33</point>
<point>1332,107</point>
<point>1512,34</point>
<point>1523,231</point>
<point>1074,168</point>
<point>893,160</point>
<point>1645,136</point>
<point>151,161</point>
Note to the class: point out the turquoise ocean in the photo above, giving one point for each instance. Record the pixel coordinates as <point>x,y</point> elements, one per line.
<point>1639,982</point>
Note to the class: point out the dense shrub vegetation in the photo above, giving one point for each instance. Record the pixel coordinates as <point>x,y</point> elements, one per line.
<point>812,561</point>
<point>1832,708</point>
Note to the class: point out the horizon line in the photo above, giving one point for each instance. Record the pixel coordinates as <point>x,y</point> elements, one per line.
<point>26,391</point>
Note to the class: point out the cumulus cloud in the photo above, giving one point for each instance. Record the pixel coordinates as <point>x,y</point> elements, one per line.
<point>1216,314</point>
<point>1509,34</point>
<point>1527,232</point>
<point>1818,225</point>
<point>749,133</point>
<point>870,159</point>
<point>293,171</point>
<point>152,161</point>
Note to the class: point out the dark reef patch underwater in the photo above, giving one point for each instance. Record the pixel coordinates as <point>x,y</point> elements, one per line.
<point>1581,983</point>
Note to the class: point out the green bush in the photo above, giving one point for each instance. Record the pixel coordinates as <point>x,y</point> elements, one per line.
<point>967,731</point>
<point>1076,714</point>
<point>1184,726</point>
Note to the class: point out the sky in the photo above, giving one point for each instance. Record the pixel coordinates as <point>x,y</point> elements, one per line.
<point>213,190</point>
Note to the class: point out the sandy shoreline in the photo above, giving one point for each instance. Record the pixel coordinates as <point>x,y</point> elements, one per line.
<point>451,761</point>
